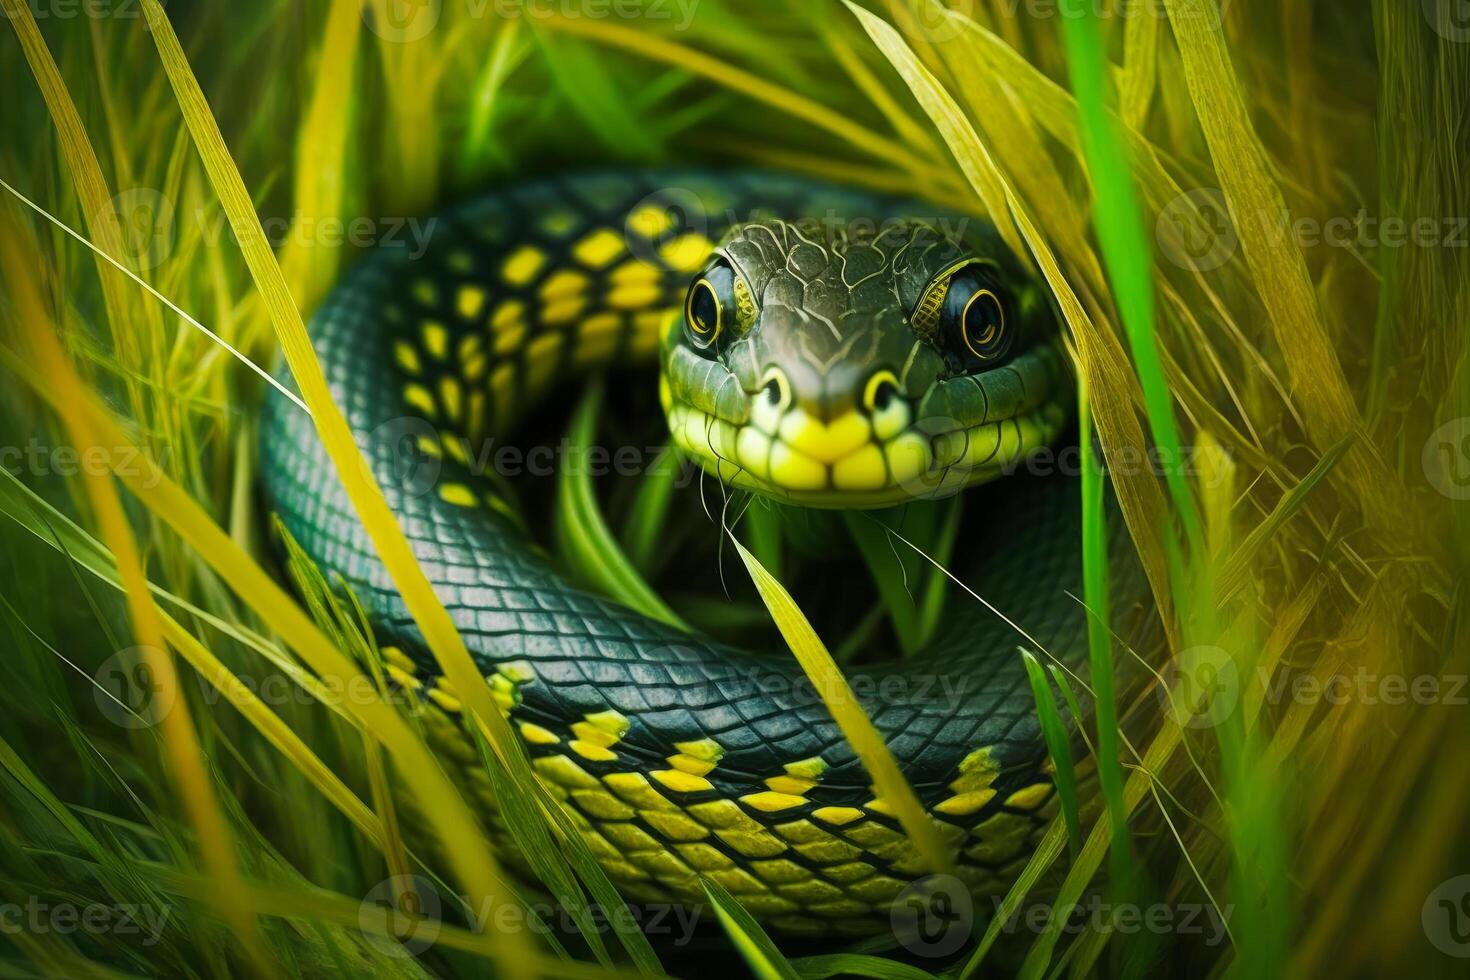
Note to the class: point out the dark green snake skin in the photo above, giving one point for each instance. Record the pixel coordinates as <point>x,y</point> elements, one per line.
<point>679,755</point>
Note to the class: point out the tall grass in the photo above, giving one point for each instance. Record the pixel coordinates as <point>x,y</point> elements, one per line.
<point>1141,156</point>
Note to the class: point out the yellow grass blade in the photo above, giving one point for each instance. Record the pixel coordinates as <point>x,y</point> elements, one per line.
<point>187,767</point>
<point>274,730</point>
<point>1276,261</point>
<point>377,518</point>
<point>857,728</point>
<point>86,175</point>
<point>785,100</point>
<point>862,76</point>
<point>974,159</point>
<point>367,498</point>
<point>321,156</point>
<point>1099,355</point>
<point>412,69</point>
<point>441,804</point>
<point>318,904</point>
<point>1110,385</point>
<point>1140,63</point>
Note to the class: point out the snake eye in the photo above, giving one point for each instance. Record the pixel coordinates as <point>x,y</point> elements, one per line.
<point>972,321</point>
<point>710,305</point>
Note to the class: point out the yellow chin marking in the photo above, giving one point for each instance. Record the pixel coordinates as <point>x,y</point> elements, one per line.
<point>825,442</point>
<point>863,470</point>
<point>794,471</point>
<point>753,449</point>
<point>844,463</point>
<point>908,457</point>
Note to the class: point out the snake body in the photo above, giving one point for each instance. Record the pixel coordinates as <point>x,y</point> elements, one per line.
<point>678,755</point>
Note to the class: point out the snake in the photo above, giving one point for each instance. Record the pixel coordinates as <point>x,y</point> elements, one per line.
<point>819,345</point>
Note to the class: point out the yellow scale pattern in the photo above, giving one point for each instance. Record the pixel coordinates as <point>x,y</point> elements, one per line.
<point>483,345</point>
<point>819,870</point>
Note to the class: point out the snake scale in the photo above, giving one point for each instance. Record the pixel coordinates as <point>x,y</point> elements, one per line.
<point>819,345</point>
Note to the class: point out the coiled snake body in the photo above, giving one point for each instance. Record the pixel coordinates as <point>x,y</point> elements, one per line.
<point>860,359</point>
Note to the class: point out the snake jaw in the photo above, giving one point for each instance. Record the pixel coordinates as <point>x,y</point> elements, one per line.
<point>802,463</point>
<point>957,432</point>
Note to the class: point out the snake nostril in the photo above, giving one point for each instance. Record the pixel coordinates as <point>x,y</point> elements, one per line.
<point>773,391</point>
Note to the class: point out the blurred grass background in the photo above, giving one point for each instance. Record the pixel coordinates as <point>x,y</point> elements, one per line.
<point>1326,538</point>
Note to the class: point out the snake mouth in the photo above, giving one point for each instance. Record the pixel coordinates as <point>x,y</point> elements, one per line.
<point>839,465</point>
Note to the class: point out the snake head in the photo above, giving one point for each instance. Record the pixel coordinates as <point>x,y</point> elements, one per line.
<point>861,364</point>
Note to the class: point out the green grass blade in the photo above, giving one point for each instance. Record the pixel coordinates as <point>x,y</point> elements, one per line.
<point>1096,597</point>
<point>1127,252</point>
<point>847,711</point>
<point>959,135</point>
<point>931,604</point>
<point>646,519</point>
<point>1054,734</point>
<point>764,959</point>
<point>533,837</point>
<point>890,577</point>
<point>1046,853</point>
<point>1241,561</point>
<point>857,965</point>
<point>586,543</point>
<point>764,531</point>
